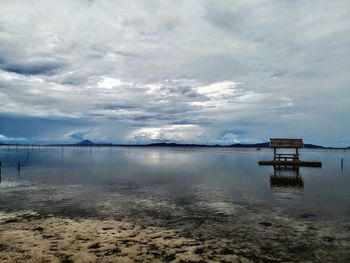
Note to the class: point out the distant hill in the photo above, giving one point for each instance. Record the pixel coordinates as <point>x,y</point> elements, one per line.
<point>90,143</point>
<point>253,145</point>
<point>85,143</point>
<point>313,146</point>
<point>236,145</point>
<point>172,144</point>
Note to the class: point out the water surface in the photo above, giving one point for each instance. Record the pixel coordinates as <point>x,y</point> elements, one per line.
<point>208,175</point>
<point>218,197</point>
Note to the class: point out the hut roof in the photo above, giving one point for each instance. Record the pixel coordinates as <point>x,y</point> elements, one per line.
<point>286,143</point>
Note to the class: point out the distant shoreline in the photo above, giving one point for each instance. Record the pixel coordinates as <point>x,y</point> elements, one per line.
<point>238,145</point>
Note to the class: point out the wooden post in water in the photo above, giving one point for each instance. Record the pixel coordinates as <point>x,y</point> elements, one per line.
<point>297,153</point>
<point>19,167</point>
<point>342,164</point>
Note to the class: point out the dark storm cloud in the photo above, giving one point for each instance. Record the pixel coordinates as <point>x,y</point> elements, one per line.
<point>32,68</point>
<point>35,129</point>
<point>117,106</point>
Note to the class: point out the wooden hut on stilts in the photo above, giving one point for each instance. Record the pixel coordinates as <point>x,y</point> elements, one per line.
<point>288,159</point>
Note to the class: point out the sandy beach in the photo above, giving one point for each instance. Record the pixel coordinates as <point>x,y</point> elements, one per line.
<point>30,237</point>
<point>26,237</point>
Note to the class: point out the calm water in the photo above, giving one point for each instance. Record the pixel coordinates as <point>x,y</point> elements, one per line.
<point>219,198</point>
<point>105,181</point>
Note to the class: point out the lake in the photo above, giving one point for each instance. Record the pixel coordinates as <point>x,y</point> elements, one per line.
<point>203,193</point>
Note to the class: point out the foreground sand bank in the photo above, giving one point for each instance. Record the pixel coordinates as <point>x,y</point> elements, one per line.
<point>28,237</point>
<point>246,237</point>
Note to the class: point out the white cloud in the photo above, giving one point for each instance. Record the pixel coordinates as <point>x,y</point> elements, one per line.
<point>188,133</point>
<point>5,139</point>
<point>110,83</point>
<point>127,66</point>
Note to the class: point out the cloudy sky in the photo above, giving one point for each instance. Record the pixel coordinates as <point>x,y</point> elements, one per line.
<point>188,71</point>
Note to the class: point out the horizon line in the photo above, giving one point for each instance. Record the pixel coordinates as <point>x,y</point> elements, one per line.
<point>174,144</point>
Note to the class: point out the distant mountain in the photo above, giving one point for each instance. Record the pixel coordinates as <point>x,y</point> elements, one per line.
<point>90,143</point>
<point>85,143</point>
<point>254,145</point>
<point>313,146</point>
<point>267,145</point>
<point>236,145</point>
<point>172,144</point>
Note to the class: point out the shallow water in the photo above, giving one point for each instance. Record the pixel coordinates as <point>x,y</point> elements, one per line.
<point>219,197</point>
<point>217,176</point>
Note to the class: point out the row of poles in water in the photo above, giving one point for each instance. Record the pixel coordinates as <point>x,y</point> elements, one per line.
<point>18,168</point>
<point>19,165</point>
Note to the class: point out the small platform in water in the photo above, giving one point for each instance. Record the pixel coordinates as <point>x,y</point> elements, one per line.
<point>291,163</point>
<point>288,159</point>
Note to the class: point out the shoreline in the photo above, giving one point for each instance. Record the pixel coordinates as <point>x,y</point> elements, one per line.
<point>30,237</point>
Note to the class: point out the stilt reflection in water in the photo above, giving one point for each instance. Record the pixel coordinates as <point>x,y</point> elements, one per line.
<point>286,177</point>
<point>19,167</point>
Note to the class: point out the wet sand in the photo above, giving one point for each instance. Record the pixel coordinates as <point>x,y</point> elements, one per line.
<point>27,237</point>
<point>31,237</point>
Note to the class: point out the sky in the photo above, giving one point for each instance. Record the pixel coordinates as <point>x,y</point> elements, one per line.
<point>185,71</point>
